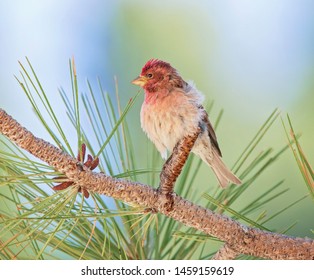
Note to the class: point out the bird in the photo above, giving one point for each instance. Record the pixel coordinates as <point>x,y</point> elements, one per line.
<point>172,109</point>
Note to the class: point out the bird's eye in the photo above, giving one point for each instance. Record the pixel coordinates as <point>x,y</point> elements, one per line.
<point>149,75</point>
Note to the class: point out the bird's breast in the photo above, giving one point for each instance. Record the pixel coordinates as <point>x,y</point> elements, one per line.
<point>169,119</point>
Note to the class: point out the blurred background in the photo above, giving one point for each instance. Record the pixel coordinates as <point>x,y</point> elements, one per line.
<point>248,56</point>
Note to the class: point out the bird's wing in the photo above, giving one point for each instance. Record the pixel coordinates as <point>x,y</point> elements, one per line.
<point>210,129</point>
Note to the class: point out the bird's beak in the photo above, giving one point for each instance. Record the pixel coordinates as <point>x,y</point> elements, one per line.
<point>140,81</point>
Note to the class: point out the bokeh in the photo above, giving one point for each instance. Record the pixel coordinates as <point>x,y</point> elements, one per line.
<point>250,57</point>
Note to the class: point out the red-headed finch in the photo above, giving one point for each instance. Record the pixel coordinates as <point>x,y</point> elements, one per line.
<point>172,110</point>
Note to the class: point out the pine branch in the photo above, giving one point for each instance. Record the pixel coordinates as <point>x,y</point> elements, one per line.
<point>173,167</point>
<point>238,238</point>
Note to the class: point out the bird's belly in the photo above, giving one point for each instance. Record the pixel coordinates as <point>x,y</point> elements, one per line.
<point>166,128</point>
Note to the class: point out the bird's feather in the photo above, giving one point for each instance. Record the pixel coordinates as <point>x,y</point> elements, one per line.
<point>210,129</point>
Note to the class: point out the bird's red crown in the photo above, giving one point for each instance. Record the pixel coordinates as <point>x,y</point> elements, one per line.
<point>155,63</point>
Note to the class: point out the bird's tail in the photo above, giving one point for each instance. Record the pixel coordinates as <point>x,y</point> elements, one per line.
<point>222,172</point>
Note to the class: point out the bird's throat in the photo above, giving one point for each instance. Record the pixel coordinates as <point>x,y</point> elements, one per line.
<point>153,97</point>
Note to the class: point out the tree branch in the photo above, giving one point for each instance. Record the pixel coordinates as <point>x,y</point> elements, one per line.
<point>173,167</point>
<point>238,237</point>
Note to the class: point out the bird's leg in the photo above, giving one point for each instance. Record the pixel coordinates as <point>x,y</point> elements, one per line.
<point>173,166</point>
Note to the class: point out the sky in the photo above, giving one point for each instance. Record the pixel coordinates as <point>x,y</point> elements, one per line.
<point>258,51</point>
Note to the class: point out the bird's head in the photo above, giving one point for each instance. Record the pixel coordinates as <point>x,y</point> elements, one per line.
<point>158,75</point>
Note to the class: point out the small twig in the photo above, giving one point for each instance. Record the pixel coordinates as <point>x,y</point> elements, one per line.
<point>173,166</point>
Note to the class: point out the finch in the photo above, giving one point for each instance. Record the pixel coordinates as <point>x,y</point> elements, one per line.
<point>172,109</point>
